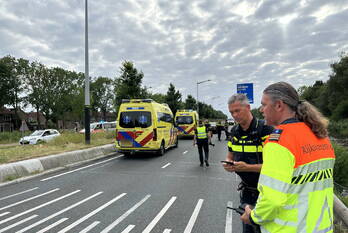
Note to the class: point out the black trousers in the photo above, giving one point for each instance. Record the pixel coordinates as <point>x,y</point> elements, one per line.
<point>249,197</point>
<point>202,144</point>
<point>219,134</point>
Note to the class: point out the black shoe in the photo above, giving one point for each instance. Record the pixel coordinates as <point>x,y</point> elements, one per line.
<point>201,165</point>
<point>206,163</point>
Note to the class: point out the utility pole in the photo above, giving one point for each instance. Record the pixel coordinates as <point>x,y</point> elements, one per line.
<point>87,97</point>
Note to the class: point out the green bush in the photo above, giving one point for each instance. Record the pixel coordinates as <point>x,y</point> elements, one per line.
<point>12,137</point>
<point>341,165</point>
<point>338,129</point>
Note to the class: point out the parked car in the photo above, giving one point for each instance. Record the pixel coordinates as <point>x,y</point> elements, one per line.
<point>101,127</point>
<point>39,136</point>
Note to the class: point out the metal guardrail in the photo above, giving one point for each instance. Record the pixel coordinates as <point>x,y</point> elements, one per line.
<point>341,210</point>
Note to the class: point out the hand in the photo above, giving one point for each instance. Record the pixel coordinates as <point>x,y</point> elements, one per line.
<point>245,217</point>
<point>240,166</point>
<point>228,167</point>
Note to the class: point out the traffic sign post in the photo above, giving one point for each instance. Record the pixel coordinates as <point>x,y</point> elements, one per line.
<point>247,89</point>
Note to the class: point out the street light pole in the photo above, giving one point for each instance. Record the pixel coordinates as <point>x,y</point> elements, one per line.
<point>197,93</point>
<point>87,97</point>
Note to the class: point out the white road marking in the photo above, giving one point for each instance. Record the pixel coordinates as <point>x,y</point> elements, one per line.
<point>62,174</point>
<point>91,214</point>
<point>128,229</point>
<point>18,223</point>
<point>29,190</point>
<point>58,213</point>
<point>167,231</point>
<point>90,227</point>
<point>38,207</point>
<point>159,216</point>
<point>125,215</point>
<point>166,165</point>
<point>228,227</point>
<point>184,152</point>
<point>52,225</point>
<point>194,216</point>
<point>29,199</point>
<point>5,213</point>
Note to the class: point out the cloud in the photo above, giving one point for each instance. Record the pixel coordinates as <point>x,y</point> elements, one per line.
<point>227,41</point>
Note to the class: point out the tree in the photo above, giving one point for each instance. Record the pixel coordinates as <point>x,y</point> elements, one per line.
<point>338,83</point>
<point>190,103</point>
<point>102,95</point>
<point>256,113</point>
<point>158,97</point>
<point>173,98</point>
<point>5,83</point>
<point>12,79</point>
<point>128,85</point>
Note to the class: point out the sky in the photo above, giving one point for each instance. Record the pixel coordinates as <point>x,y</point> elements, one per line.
<point>183,41</point>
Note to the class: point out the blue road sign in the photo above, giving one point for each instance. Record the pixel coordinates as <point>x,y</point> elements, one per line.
<point>246,88</point>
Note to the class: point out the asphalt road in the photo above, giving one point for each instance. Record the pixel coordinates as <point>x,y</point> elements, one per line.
<point>141,193</point>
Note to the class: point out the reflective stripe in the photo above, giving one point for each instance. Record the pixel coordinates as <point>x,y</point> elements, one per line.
<point>312,177</point>
<point>285,223</point>
<point>264,137</point>
<point>246,148</point>
<point>314,166</point>
<point>330,228</point>
<point>324,208</point>
<point>201,133</point>
<point>229,144</point>
<point>283,187</point>
<point>263,230</point>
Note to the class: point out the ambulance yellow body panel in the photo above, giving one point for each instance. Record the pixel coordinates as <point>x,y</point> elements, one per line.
<point>186,121</point>
<point>144,125</point>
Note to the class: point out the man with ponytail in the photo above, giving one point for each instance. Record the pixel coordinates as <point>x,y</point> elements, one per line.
<point>295,184</point>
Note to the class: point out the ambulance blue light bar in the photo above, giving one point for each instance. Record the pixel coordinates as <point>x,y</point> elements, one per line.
<point>135,108</point>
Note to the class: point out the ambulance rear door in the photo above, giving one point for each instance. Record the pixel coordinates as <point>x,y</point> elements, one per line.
<point>135,128</point>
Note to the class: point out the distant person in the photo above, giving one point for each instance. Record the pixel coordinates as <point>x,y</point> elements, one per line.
<point>219,128</point>
<point>202,139</point>
<point>245,150</point>
<point>296,184</point>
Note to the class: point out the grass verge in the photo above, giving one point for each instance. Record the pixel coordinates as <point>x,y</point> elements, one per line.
<point>66,142</point>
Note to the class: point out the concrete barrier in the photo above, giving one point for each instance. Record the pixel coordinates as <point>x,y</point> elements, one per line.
<point>15,170</point>
<point>341,211</point>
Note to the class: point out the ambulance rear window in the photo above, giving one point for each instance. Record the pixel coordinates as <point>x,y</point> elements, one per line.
<point>180,120</point>
<point>135,119</point>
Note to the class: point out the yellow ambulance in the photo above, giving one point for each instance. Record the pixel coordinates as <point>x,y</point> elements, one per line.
<point>186,121</point>
<point>144,125</point>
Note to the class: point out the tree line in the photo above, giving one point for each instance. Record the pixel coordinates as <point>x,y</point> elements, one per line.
<point>331,97</point>
<point>59,94</point>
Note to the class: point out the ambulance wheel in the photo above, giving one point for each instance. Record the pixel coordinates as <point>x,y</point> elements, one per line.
<point>162,149</point>
<point>126,154</point>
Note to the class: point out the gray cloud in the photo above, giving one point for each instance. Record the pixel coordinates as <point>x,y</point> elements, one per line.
<point>227,41</point>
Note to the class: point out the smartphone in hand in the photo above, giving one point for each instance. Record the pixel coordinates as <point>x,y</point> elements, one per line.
<point>227,162</point>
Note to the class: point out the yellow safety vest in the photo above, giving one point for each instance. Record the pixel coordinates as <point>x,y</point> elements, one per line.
<point>295,185</point>
<point>201,133</point>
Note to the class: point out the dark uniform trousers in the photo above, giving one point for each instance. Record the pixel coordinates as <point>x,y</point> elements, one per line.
<point>202,144</point>
<point>248,197</point>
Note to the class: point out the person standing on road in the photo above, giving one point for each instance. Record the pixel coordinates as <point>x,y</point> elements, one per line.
<point>202,139</point>
<point>245,149</point>
<point>296,184</point>
<point>219,128</point>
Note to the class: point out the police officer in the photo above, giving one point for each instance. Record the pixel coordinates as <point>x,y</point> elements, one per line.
<point>296,184</point>
<point>245,149</point>
<point>202,139</point>
<point>219,128</point>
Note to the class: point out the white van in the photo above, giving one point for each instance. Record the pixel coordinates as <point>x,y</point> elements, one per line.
<point>101,126</point>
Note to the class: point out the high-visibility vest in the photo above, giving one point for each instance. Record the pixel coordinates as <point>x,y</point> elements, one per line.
<point>201,132</point>
<point>295,185</point>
